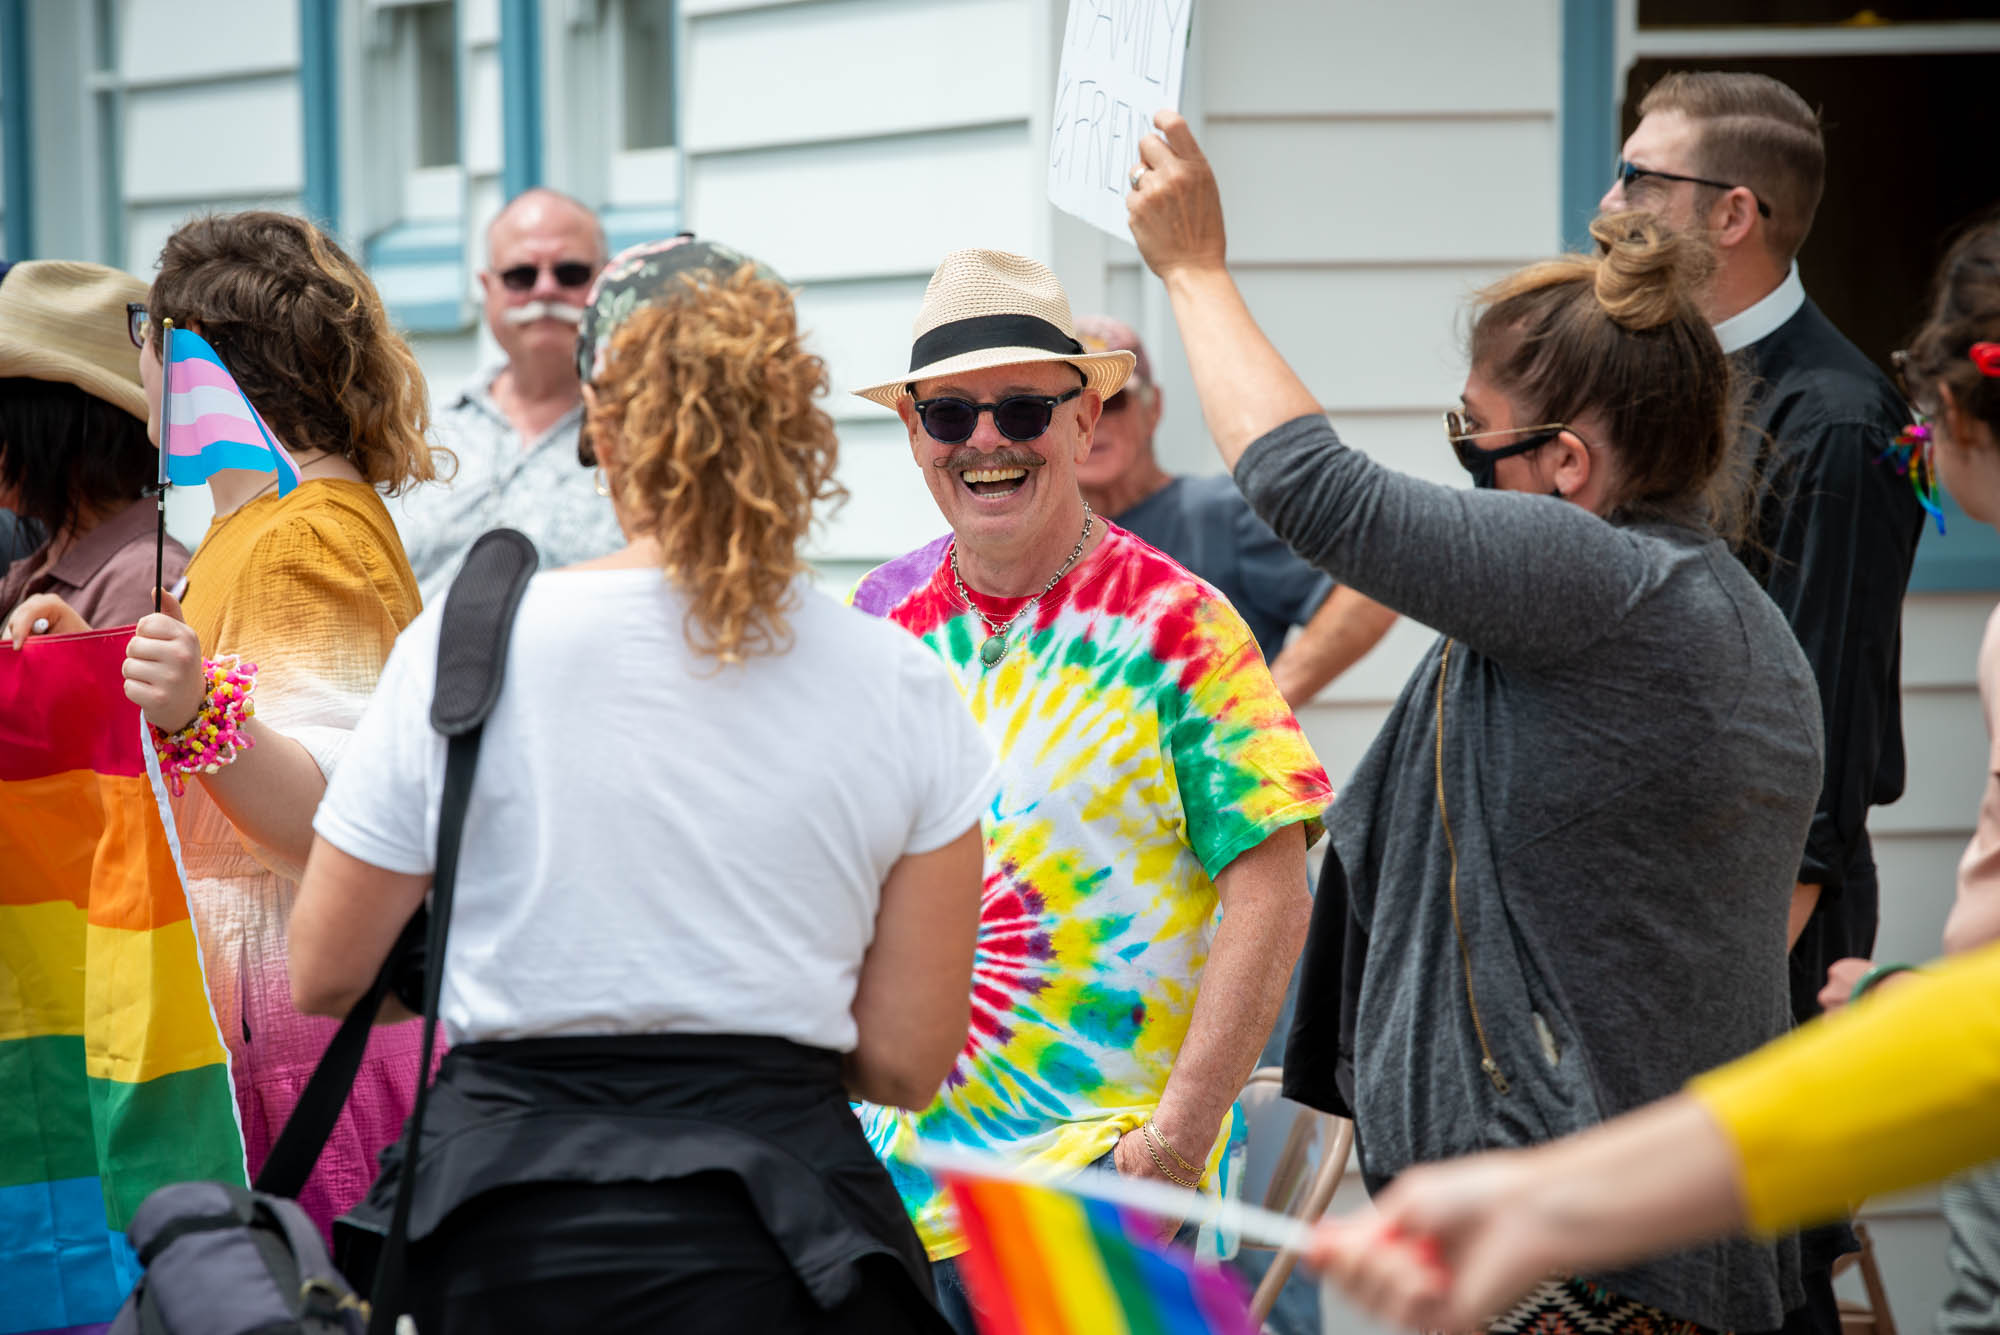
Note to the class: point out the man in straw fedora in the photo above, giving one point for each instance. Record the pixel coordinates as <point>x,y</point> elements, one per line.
<point>1150,771</point>
<point>74,456</point>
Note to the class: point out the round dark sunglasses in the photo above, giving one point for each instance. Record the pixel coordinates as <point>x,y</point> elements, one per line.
<point>569,273</point>
<point>1018,417</point>
<point>1629,172</point>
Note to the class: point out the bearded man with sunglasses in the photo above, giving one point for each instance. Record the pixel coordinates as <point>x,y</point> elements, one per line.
<point>1741,157</point>
<point>514,428</point>
<point>1150,771</point>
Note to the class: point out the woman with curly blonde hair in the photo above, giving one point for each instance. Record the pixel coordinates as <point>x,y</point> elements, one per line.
<point>721,872</point>
<point>312,587</point>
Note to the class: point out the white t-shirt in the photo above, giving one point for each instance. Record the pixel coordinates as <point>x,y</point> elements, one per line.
<point>657,844</point>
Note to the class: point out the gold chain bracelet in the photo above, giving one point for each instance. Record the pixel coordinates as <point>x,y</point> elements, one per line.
<point>1167,1145</point>
<point>1146,1133</point>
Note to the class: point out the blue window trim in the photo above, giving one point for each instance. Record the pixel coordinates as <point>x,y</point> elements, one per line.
<point>319,98</point>
<point>1966,559</point>
<point>1589,118</point>
<point>520,95</point>
<point>17,130</point>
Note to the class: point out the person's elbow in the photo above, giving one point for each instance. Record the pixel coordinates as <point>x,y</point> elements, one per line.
<point>908,1070</point>
<point>318,989</point>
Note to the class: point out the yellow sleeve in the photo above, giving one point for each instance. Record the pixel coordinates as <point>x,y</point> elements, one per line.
<point>1901,1089</point>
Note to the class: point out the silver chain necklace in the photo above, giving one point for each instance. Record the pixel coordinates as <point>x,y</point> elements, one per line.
<point>994,647</point>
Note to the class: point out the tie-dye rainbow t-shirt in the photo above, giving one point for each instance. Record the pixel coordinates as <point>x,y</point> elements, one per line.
<point>1143,747</point>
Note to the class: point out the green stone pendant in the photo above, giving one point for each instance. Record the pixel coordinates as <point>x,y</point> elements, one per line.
<point>992,649</point>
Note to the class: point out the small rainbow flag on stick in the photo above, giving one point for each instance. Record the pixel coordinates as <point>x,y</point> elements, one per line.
<point>207,424</point>
<point>1045,1260</point>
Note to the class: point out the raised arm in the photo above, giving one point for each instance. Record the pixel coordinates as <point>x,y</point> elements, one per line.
<point>1520,578</point>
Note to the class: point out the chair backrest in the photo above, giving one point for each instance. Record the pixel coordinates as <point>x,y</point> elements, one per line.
<point>1285,1142</point>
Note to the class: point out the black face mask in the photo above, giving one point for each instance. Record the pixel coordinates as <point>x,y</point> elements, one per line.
<point>1482,463</point>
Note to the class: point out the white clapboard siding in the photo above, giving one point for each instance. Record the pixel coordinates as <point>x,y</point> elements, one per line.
<point>163,41</point>
<point>227,138</point>
<point>853,70</point>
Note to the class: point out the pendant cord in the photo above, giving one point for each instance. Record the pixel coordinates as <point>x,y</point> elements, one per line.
<point>999,632</point>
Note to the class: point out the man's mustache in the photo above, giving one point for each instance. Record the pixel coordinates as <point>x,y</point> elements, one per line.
<point>544,310</point>
<point>965,457</point>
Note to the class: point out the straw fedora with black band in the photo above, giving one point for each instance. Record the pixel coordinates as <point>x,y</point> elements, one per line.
<point>65,320</point>
<point>987,308</point>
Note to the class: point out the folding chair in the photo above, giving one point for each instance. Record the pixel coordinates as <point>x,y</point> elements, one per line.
<point>1872,1317</point>
<point>1290,1189</point>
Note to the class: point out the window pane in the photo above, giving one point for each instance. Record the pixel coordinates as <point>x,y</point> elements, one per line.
<point>434,40</point>
<point>649,74</point>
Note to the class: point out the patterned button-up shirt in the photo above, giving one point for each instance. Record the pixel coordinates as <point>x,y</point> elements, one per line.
<point>535,486</point>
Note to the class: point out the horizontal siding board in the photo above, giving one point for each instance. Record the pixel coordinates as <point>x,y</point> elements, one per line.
<point>1362,56</point>
<point>862,330</point>
<point>889,510</point>
<point>1944,741</point>
<point>1918,874</point>
<point>1466,191</point>
<point>168,40</point>
<point>866,208</point>
<point>1369,339</point>
<point>859,69</point>
<point>202,141</point>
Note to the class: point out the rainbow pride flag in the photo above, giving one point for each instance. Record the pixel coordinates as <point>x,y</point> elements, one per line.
<point>113,1076</point>
<point>209,424</point>
<point>1044,1261</point>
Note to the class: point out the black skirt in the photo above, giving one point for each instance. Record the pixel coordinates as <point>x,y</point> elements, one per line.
<point>607,1184</point>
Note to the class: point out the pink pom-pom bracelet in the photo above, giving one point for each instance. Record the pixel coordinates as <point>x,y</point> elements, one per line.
<point>215,735</point>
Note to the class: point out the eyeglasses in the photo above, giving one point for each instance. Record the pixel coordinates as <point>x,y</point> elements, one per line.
<point>137,323</point>
<point>1628,173</point>
<point>1018,417</point>
<point>1478,461</point>
<point>569,273</point>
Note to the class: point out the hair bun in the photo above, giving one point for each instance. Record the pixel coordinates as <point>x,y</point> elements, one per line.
<point>1646,275</point>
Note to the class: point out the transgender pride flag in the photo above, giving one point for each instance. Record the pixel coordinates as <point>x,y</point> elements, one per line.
<point>209,424</point>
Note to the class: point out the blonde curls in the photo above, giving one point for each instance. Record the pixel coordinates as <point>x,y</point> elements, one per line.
<point>722,451</point>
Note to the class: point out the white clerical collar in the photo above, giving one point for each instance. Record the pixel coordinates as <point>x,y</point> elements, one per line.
<point>1760,321</point>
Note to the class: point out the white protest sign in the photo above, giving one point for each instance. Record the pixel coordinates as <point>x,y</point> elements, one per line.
<point>1122,60</point>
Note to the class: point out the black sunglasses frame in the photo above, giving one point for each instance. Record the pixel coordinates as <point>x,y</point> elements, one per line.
<point>137,323</point>
<point>1628,172</point>
<point>1478,460</point>
<point>521,277</point>
<point>1046,402</point>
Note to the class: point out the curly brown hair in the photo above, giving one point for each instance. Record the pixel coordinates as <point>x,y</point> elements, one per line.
<point>1965,309</point>
<point>722,451</point>
<point>304,332</point>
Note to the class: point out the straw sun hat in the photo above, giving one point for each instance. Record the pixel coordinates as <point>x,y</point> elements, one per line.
<point>986,308</point>
<point>65,320</point>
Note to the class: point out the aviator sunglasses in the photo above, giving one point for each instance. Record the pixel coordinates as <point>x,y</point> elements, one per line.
<point>1018,417</point>
<point>1479,461</point>
<point>569,273</point>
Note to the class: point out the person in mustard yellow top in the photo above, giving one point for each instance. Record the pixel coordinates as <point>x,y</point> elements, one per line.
<point>1897,1090</point>
<point>312,587</point>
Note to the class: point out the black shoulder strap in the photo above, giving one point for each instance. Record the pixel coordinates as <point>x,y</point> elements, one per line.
<point>478,618</point>
<point>471,667</point>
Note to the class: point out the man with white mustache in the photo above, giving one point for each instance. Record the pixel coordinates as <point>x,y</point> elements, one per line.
<point>514,427</point>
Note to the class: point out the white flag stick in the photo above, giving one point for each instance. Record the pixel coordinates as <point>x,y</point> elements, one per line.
<point>1266,1227</point>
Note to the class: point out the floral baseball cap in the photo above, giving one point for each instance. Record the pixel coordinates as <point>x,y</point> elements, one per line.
<point>647,274</point>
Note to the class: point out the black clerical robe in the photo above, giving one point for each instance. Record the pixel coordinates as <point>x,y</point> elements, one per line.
<point>1835,535</point>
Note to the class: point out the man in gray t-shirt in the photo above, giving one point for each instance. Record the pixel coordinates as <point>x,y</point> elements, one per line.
<point>1205,524</point>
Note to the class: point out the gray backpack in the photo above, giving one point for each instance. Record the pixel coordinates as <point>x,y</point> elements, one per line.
<point>222,1260</point>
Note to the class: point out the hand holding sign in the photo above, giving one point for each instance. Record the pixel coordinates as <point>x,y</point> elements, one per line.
<point>1122,60</point>
<point>1174,207</point>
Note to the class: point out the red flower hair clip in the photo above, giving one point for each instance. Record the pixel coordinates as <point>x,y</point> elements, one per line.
<point>1986,356</point>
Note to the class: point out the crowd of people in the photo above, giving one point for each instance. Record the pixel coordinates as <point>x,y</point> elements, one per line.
<point>764,897</point>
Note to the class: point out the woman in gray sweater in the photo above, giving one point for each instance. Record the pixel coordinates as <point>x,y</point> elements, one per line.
<point>1570,851</point>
